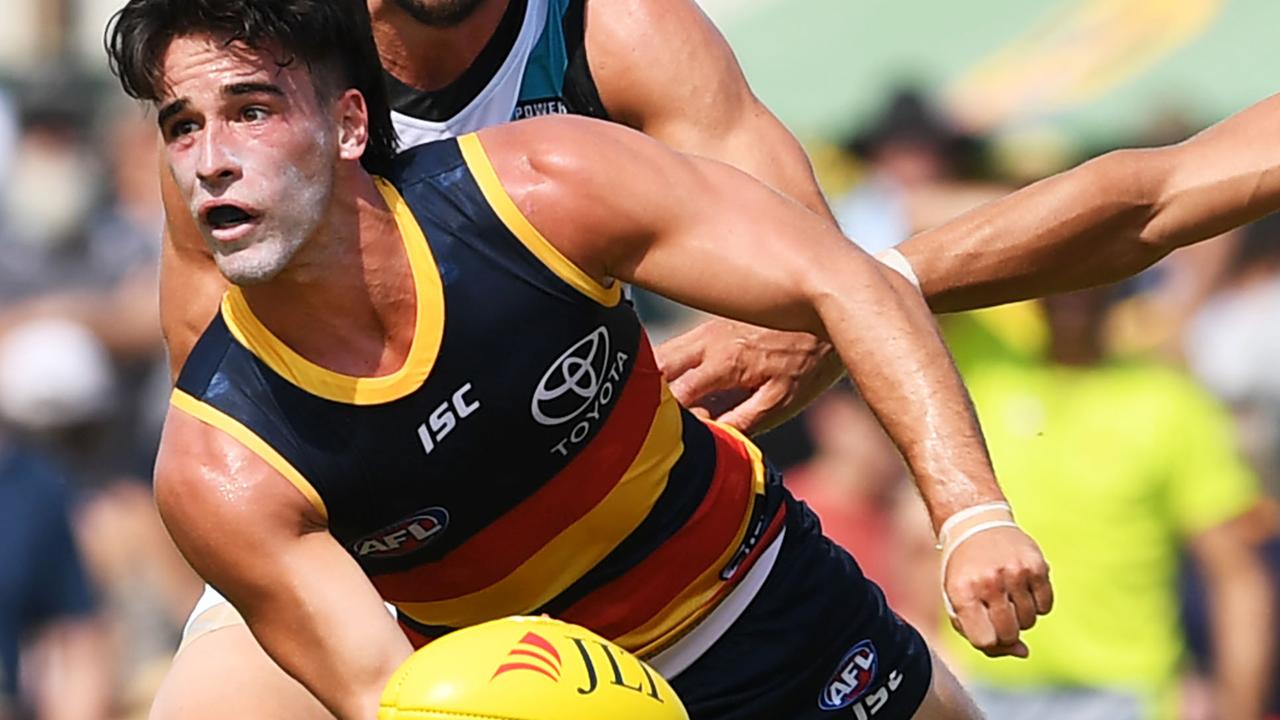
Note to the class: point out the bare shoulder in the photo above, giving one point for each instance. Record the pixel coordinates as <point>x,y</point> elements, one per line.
<point>652,58</point>
<point>573,176</point>
<point>559,148</point>
<point>616,27</point>
<point>584,184</point>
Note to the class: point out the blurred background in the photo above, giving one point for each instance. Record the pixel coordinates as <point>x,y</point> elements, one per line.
<point>1136,428</point>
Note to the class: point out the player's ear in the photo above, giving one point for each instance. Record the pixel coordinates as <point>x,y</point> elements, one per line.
<point>353,124</point>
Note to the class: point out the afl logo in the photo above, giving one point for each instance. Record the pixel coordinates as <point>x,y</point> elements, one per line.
<point>404,537</point>
<point>573,380</point>
<point>852,678</point>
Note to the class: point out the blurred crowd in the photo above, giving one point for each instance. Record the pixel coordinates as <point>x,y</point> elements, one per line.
<point>92,593</point>
<point>1136,428</point>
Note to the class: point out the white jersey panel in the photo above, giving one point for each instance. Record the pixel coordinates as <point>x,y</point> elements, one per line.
<point>495,104</point>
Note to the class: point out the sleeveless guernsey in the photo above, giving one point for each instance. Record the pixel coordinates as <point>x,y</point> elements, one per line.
<point>526,458</point>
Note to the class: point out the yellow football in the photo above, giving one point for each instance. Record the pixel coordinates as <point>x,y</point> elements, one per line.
<point>527,668</point>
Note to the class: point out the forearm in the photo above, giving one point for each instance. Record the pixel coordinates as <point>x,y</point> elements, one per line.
<point>1106,219</point>
<point>328,629</point>
<point>1243,622</point>
<point>1088,226</point>
<point>894,354</point>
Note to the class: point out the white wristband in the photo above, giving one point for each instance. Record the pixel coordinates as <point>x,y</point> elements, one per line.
<point>946,554</point>
<point>896,260</point>
<point>961,515</point>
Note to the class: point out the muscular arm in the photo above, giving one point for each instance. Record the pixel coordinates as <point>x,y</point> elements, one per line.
<point>622,206</point>
<point>250,534</point>
<point>1106,219</point>
<point>1241,598</point>
<point>663,68</point>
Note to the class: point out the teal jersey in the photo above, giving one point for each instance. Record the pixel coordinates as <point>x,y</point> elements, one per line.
<point>535,64</point>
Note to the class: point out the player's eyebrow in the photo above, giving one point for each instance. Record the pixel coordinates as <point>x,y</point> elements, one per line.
<point>250,88</point>
<point>170,109</point>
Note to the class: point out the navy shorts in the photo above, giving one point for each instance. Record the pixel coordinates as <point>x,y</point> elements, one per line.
<point>817,642</point>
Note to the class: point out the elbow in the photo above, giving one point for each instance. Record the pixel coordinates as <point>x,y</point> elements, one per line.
<point>1139,181</point>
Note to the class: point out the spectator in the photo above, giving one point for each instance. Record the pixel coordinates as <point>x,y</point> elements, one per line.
<point>46,610</point>
<point>915,159</point>
<point>1196,618</point>
<point>1114,467</point>
<point>1233,348</point>
<point>57,394</point>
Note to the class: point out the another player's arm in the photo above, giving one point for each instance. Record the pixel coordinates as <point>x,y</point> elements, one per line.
<point>1106,219</point>
<point>260,542</point>
<point>1242,620</point>
<point>635,48</point>
<point>190,285</point>
<point>623,206</point>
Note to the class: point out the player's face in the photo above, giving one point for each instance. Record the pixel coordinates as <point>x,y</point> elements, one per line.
<point>251,149</point>
<point>439,13</point>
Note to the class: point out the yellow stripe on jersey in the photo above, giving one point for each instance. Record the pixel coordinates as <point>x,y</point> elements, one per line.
<point>338,387</point>
<point>496,195</point>
<point>214,417</point>
<point>582,545</point>
<point>688,609</point>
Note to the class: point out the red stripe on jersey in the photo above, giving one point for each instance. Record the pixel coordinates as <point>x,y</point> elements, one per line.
<point>497,550</point>
<point>646,589</point>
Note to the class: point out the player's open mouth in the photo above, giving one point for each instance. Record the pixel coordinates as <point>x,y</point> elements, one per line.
<point>227,222</point>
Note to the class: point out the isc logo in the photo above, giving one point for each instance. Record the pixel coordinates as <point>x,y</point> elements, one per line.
<point>445,418</point>
<point>405,536</point>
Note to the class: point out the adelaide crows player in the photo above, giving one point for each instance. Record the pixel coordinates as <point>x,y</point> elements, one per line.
<point>456,66</point>
<point>423,387</point>
<point>659,66</point>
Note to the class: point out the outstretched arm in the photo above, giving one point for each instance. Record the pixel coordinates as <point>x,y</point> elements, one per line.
<point>623,206</point>
<point>635,48</point>
<point>254,537</point>
<point>1106,219</point>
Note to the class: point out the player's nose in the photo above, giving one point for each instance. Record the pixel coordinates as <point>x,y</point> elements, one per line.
<point>217,165</point>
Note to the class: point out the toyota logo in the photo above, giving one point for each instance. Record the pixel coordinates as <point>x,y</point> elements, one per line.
<point>573,380</point>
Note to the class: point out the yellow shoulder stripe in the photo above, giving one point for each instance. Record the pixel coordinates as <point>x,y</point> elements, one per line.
<point>496,195</point>
<point>214,417</point>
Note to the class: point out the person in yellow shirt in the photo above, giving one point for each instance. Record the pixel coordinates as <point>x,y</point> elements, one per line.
<point>1116,467</point>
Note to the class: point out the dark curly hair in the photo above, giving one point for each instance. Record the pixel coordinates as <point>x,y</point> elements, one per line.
<point>332,37</point>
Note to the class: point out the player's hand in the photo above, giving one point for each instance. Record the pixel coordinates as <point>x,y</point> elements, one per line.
<point>998,583</point>
<point>746,376</point>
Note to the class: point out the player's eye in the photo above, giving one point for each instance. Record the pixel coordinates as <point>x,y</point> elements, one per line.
<point>254,113</point>
<point>182,127</point>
